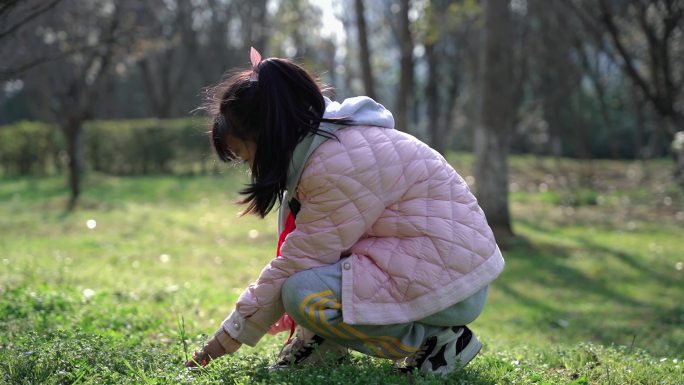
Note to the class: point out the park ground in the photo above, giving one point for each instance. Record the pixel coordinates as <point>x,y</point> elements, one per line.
<point>122,290</point>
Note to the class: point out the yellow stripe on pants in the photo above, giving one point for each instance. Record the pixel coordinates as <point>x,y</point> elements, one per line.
<point>317,303</point>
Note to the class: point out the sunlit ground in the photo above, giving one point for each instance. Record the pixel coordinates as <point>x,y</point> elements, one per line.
<point>592,290</point>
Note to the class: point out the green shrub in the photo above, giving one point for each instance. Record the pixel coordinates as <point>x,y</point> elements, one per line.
<point>146,146</point>
<point>122,147</point>
<point>30,148</point>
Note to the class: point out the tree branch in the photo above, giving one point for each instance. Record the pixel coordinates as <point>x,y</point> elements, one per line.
<point>37,12</point>
<point>7,6</point>
<point>589,22</point>
<point>608,21</point>
<point>9,73</point>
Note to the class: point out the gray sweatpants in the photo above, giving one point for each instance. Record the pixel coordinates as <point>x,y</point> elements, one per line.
<point>313,298</point>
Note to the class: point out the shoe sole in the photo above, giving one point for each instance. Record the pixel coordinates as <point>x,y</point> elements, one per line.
<point>469,352</point>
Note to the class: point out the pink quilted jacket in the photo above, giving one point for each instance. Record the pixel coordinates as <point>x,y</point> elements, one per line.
<point>416,238</point>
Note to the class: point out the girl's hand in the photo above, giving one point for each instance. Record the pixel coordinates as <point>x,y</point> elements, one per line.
<point>212,350</point>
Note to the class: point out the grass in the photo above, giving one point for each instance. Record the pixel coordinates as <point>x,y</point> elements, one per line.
<point>592,292</point>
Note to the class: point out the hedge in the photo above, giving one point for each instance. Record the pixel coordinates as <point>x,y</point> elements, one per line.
<point>122,147</point>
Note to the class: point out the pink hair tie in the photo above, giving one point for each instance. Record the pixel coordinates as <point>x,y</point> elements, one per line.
<point>255,58</point>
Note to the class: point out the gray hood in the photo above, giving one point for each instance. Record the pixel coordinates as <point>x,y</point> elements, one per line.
<point>361,110</point>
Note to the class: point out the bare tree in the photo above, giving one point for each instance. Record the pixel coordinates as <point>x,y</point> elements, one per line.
<point>552,50</point>
<point>365,57</point>
<point>443,40</point>
<point>166,53</point>
<point>18,50</point>
<point>178,55</point>
<point>254,18</point>
<point>432,96</point>
<point>295,20</point>
<point>15,14</point>
<point>591,65</point>
<point>496,116</point>
<point>348,75</point>
<point>75,83</point>
<point>660,22</point>
<point>646,37</point>
<point>406,80</point>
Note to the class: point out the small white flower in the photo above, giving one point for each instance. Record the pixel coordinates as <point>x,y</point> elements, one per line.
<point>91,224</point>
<point>88,293</point>
<point>164,258</point>
<point>253,234</point>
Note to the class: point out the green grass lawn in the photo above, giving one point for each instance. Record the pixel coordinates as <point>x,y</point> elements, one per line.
<point>592,292</point>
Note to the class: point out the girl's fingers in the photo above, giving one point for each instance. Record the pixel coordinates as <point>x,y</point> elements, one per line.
<point>198,359</point>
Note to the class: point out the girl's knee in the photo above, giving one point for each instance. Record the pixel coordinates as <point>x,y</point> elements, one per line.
<point>294,289</point>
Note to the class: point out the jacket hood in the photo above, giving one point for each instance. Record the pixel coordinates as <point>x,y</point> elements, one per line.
<point>361,110</point>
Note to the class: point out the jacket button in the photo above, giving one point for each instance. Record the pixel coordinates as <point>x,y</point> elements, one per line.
<point>346,265</point>
<point>236,326</point>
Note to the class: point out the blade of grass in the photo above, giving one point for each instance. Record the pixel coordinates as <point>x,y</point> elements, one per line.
<point>183,336</point>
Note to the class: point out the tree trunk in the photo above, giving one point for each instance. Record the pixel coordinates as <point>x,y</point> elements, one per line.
<point>492,135</point>
<point>401,112</point>
<point>73,131</point>
<point>347,76</point>
<point>432,97</point>
<point>639,152</point>
<point>330,63</point>
<point>366,69</point>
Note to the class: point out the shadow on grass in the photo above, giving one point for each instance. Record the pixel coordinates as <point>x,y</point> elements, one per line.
<point>593,294</point>
<point>547,265</point>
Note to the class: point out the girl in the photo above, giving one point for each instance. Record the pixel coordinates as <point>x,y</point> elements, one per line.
<point>388,252</point>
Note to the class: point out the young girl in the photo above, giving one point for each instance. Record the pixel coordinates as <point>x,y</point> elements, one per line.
<point>388,252</point>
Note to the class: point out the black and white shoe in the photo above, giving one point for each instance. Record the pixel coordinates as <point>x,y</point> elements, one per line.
<point>308,348</point>
<point>444,353</point>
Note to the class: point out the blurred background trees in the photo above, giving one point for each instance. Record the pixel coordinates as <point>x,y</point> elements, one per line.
<point>573,78</point>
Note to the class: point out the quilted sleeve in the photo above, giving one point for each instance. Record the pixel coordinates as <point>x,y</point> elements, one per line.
<point>336,211</point>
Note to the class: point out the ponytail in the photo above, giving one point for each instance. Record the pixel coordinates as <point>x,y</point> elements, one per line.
<point>276,110</point>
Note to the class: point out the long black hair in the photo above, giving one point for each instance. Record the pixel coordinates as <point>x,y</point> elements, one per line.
<point>275,108</point>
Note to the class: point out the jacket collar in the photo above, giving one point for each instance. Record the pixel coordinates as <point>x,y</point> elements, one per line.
<point>302,152</point>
